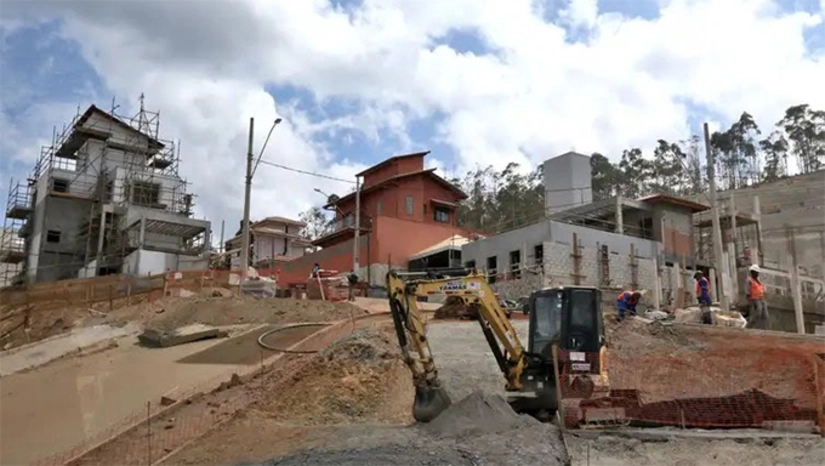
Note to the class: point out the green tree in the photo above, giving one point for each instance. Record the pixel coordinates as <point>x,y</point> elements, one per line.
<point>805,130</point>
<point>318,223</point>
<point>606,177</point>
<point>636,172</point>
<point>775,149</point>
<point>667,173</point>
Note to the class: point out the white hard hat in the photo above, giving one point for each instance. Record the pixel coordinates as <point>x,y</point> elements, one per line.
<point>754,268</point>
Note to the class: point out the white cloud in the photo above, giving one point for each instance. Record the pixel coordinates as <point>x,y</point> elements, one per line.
<point>535,95</point>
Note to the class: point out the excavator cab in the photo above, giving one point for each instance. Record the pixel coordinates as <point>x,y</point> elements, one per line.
<point>569,318</point>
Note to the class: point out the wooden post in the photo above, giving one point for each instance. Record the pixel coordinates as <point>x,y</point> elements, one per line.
<point>560,410</point>
<point>129,292</point>
<point>820,403</point>
<point>634,268</point>
<point>576,260</point>
<point>165,283</point>
<point>111,297</point>
<point>657,285</point>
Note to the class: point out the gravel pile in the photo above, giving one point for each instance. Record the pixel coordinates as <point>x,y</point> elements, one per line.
<point>480,430</point>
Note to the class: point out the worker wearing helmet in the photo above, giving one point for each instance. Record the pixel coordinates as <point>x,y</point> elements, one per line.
<point>627,303</point>
<point>755,292</point>
<point>703,296</point>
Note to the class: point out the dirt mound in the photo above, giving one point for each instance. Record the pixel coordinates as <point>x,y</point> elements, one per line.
<point>478,414</point>
<point>229,310</point>
<point>642,339</point>
<point>358,378</point>
<point>454,308</point>
<point>664,362</point>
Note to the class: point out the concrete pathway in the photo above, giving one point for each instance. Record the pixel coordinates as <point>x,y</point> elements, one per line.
<point>40,353</point>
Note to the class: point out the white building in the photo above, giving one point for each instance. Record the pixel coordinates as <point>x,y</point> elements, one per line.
<point>105,197</point>
<point>273,240</point>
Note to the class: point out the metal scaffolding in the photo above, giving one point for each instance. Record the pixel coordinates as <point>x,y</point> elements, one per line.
<point>103,164</point>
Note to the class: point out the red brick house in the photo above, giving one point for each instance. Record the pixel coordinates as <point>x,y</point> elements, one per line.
<point>404,210</point>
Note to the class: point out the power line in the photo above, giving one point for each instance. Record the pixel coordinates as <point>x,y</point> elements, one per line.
<point>304,172</point>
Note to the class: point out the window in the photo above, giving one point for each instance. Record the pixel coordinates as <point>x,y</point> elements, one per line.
<point>378,208</point>
<point>52,236</point>
<point>538,253</point>
<point>145,194</point>
<point>547,309</point>
<point>60,186</point>
<point>441,214</point>
<point>409,205</point>
<point>492,265</point>
<point>515,264</point>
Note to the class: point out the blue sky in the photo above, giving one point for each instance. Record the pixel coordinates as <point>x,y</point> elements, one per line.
<point>47,72</point>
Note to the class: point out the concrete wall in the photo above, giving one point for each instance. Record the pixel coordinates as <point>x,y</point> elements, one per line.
<point>525,239</point>
<point>567,181</point>
<point>798,202</point>
<point>558,266</point>
<point>142,262</point>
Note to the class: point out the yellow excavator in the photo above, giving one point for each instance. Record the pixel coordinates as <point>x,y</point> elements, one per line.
<point>568,318</point>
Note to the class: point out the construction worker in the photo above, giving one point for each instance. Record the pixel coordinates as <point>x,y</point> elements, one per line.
<point>352,280</point>
<point>703,296</point>
<point>316,271</point>
<point>627,303</point>
<point>755,292</point>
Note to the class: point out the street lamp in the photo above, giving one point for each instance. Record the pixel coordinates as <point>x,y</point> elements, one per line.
<point>250,171</point>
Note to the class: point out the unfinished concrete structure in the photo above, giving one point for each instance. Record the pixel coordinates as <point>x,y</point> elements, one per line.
<point>567,182</point>
<point>105,197</point>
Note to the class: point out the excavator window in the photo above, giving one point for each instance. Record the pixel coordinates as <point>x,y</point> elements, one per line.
<point>546,315</point>
<point>583,328</point>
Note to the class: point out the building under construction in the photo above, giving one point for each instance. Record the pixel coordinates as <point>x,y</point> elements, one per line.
<point>104,198</point>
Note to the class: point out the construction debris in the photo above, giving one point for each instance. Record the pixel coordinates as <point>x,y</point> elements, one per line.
<point>180,335</point>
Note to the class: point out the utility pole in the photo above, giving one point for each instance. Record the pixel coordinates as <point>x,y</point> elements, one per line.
<point>355,245</point>
<point>718,256</point>
<point>246,202</point>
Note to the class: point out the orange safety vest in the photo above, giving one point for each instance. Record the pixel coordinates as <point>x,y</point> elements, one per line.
<point>757,289</point>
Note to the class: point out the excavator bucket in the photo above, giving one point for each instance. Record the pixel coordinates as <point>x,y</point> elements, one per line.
<point>430,402</point>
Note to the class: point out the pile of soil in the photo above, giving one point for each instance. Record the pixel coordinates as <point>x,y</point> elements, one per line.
<point>672,362</point>
<point>359,378</point>
<point>454,308</point>
<point>230,310</point>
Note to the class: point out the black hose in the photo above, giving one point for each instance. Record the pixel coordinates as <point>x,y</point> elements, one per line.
<point>287,327</point>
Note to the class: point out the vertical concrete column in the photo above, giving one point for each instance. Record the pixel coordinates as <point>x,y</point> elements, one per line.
<point>142,236</point>
<point>619,216</point>
<point>714,295</point>
<point>796,289</point>
<point>756,251</point>
<point>101,235</point>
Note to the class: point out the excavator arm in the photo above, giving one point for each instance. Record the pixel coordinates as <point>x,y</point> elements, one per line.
<point>404,289</point>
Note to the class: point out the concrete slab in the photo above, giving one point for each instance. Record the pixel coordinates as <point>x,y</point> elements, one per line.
<point>76,341</point>
<point>180,335</point>
<point>244,349</point>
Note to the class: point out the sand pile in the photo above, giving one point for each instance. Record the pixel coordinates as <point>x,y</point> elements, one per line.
<point>358,378</point>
